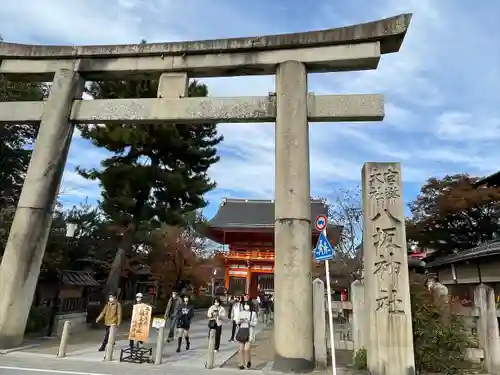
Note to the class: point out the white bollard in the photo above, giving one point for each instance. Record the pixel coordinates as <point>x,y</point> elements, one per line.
<point>64,340</point>
<point>211,350</point>
<point>111,342</point>
<point>159,346</point>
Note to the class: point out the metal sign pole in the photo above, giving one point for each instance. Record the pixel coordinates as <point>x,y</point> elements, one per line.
<point>330,313</point>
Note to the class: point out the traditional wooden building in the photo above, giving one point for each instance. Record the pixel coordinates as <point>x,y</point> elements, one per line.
<point>462,271</point>
<point>246,228</point>
<point>491,180</point>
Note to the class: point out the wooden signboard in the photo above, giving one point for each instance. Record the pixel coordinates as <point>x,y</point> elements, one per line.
<point>141,321</point>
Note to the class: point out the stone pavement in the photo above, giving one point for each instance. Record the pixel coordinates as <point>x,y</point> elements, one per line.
<point>263,354</point>
<point>13,365</point>
<point>195,358</point>
<point>79,341</point>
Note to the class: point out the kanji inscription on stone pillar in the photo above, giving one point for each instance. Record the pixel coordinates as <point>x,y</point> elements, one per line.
<point>387,292</point>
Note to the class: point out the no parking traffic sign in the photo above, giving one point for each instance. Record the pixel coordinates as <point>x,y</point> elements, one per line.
<point>320,223</point>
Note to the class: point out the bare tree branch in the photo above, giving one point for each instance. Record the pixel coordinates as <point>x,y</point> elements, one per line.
<point>345,210</point>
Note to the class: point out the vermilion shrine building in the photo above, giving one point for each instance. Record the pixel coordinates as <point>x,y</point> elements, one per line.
<point>246,227</point>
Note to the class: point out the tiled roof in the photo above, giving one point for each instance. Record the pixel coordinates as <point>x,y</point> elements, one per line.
<point>78,278</point>
<point>490,248</point>
<point>493,179</point>
<point>248,213</point>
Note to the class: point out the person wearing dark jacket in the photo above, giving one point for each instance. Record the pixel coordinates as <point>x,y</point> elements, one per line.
<point>184,315</point>
<point>170,314</point>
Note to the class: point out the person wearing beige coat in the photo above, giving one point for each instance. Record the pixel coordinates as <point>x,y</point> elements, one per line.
<point>112,314</point>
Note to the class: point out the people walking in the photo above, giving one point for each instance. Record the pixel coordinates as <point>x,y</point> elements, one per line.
<point>230,304</point>
<point>271,308</point>
<point>170,313</point>
<point>247,320</point>
<point>215,314</point>
<point>183,317</point>
<point>138,300</point>
<point>264,312</point>
<point>234,309</point>
<point>112,314</point>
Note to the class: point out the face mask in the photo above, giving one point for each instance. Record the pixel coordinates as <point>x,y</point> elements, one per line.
<point>111,299</point>
<point>138,299</point>
<point>174,295</point>
<point>216,303</point>
<point>247,307</point>
<point>186,300</point>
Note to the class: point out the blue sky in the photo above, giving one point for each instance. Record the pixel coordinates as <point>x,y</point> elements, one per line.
<point>441,89</point>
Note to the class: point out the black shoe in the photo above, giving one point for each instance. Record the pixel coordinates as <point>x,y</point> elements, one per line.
<point>101,349</point>
<point>249,364</point>
<point>242,367</point>
<point>188,345</point>
<point>178,350</point>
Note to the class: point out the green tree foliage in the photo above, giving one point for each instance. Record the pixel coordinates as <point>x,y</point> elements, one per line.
<point>156,174</point>
<point>15,151</point>
<point>91,239</point>
<point>440,337</point>
<point>452,214</point>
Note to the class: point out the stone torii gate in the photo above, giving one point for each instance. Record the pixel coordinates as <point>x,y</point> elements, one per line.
<point>290,57</point>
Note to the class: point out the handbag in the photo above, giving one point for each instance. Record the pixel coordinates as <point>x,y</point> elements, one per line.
<point>212,324</point>
<point>243,334</point>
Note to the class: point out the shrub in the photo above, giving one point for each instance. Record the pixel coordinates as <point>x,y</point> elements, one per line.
<point>38,319</point>
<point>440,337</point>
<point>360,359</point>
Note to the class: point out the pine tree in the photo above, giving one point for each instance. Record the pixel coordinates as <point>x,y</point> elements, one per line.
<point>15,140</point>
<point>157,173</point>
<point>15,150</point>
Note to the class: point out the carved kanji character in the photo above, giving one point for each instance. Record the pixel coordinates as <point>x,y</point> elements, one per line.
<point>390,301</point>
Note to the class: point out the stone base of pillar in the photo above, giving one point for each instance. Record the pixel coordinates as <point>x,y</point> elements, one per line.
<point>359,316</point>
<point>293,327</point>
<point>320,331</point>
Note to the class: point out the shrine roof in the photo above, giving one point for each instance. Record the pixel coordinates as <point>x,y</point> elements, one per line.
<point>491,180</point>
<point>254,214</point>
<point>78,278</point>
<point>491,248</point>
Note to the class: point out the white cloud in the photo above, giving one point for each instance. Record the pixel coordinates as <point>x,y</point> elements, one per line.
<point>441,89</point>
<point>463,126</point>
<point>75,186</point>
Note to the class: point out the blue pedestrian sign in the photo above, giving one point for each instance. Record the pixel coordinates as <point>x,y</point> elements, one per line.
<point>323,249</point>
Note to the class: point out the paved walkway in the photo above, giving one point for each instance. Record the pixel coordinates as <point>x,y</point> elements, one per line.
<point>263,353</point>
<point>12,365</point>
<point>195,358</point>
